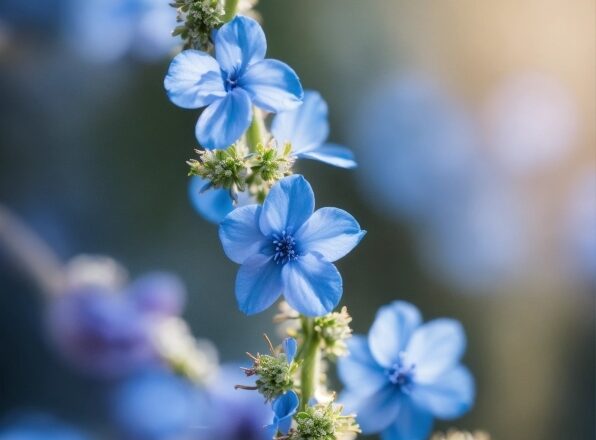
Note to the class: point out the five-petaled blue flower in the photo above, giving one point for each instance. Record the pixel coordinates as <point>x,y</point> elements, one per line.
<point>307,128</point>
<point>405,374</point>
<point>284,409</point>
<point>286,247</point>
<point>231,83</point>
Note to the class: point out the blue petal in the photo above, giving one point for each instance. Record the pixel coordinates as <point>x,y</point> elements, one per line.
<point>391,331</point>
<point>412,423</point>
<point>240,235</point>
<point>331,232</point>
<point>272,85</point>
<point>374,412</point>
<point>436,347</point>
<point>284,407</point>
<point>359,371</point>
<point>194,80</point>
<point>258,284</point>
<point>213,204</point>
<point>238,44</point>
<point>306,127</point>
<point>225,120</point>
<point>290,348</point>
<point>331,154</point>
<point>450,396</point>
<point>288,206</point>
<point>312,286</point>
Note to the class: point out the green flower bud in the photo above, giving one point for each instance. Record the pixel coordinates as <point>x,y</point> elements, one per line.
<point>269,165</point>
<point>323,422</point>
<point>197,19</point>
<point>334,329</point>
<point>223,168</point>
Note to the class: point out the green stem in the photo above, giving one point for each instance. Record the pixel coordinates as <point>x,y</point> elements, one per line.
<point>310,365</point>
<point>254,134</point>
<point>230,10</point>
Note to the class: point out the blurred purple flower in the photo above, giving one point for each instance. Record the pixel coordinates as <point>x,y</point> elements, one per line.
<point>157,405</point>
<point>231,414</point>
<point>108,331</point>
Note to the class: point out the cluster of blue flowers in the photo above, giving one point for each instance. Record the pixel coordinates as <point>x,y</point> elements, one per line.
<point>165,384</point>
<point>400,378</point>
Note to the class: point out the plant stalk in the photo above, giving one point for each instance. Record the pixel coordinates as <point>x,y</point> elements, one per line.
<point>230,10</point>
<point>310,363</point>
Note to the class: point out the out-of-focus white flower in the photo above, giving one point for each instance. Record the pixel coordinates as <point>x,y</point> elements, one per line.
<point>94,271</point>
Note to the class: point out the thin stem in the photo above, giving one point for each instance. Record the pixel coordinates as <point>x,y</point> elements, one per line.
<point>230,10</point>
<point>255,130</point>
<point>311,363</point>
<point>30,252</point>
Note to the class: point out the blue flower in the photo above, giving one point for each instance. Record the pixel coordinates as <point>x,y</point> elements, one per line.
<point>229,84</point>
<point>286,246</point>
<point>405,374</point>
<point>157,405</point>
<point>307,129</point>
<point>284,409</point>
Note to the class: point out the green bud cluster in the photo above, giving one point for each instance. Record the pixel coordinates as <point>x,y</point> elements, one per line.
<point>275,374</point>
<point>237,170</point>
<point>223,168</point>
<point>323,422</point>
<point>197,19</point>
<point>334,329</point>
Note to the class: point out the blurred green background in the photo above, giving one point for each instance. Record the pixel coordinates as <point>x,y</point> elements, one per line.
<point>92,157</point>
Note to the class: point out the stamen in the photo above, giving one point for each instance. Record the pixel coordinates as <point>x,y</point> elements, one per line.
<point>284,247</point>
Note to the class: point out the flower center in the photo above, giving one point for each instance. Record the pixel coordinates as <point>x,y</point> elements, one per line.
<point>230,82</point>
<point>284,247</point>
<point>401,373</point>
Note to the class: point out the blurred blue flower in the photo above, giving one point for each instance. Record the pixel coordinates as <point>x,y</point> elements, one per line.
<point>290,346</point>
<point>416,146</point>
<point>230,414</point>
<point>580,229</point>
<point>307,128</point>
<point>108,331</point>
<point>107,30</point>
<point>405,374</point>
<point>532,122</point>
<point>479,238</point>
<point>38,427</point>
<point>286,246</point>
<point>284,408</point>
<point>229,84</point>
<point>157,405</point>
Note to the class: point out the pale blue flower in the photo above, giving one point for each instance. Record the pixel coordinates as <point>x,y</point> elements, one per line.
<point>284,246</point>
<point>284,409</point>
<point>307,128</point>
<point>157,405</point>
<point>228,85</point>
<point>108,30</point>
<point>406,373</point>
